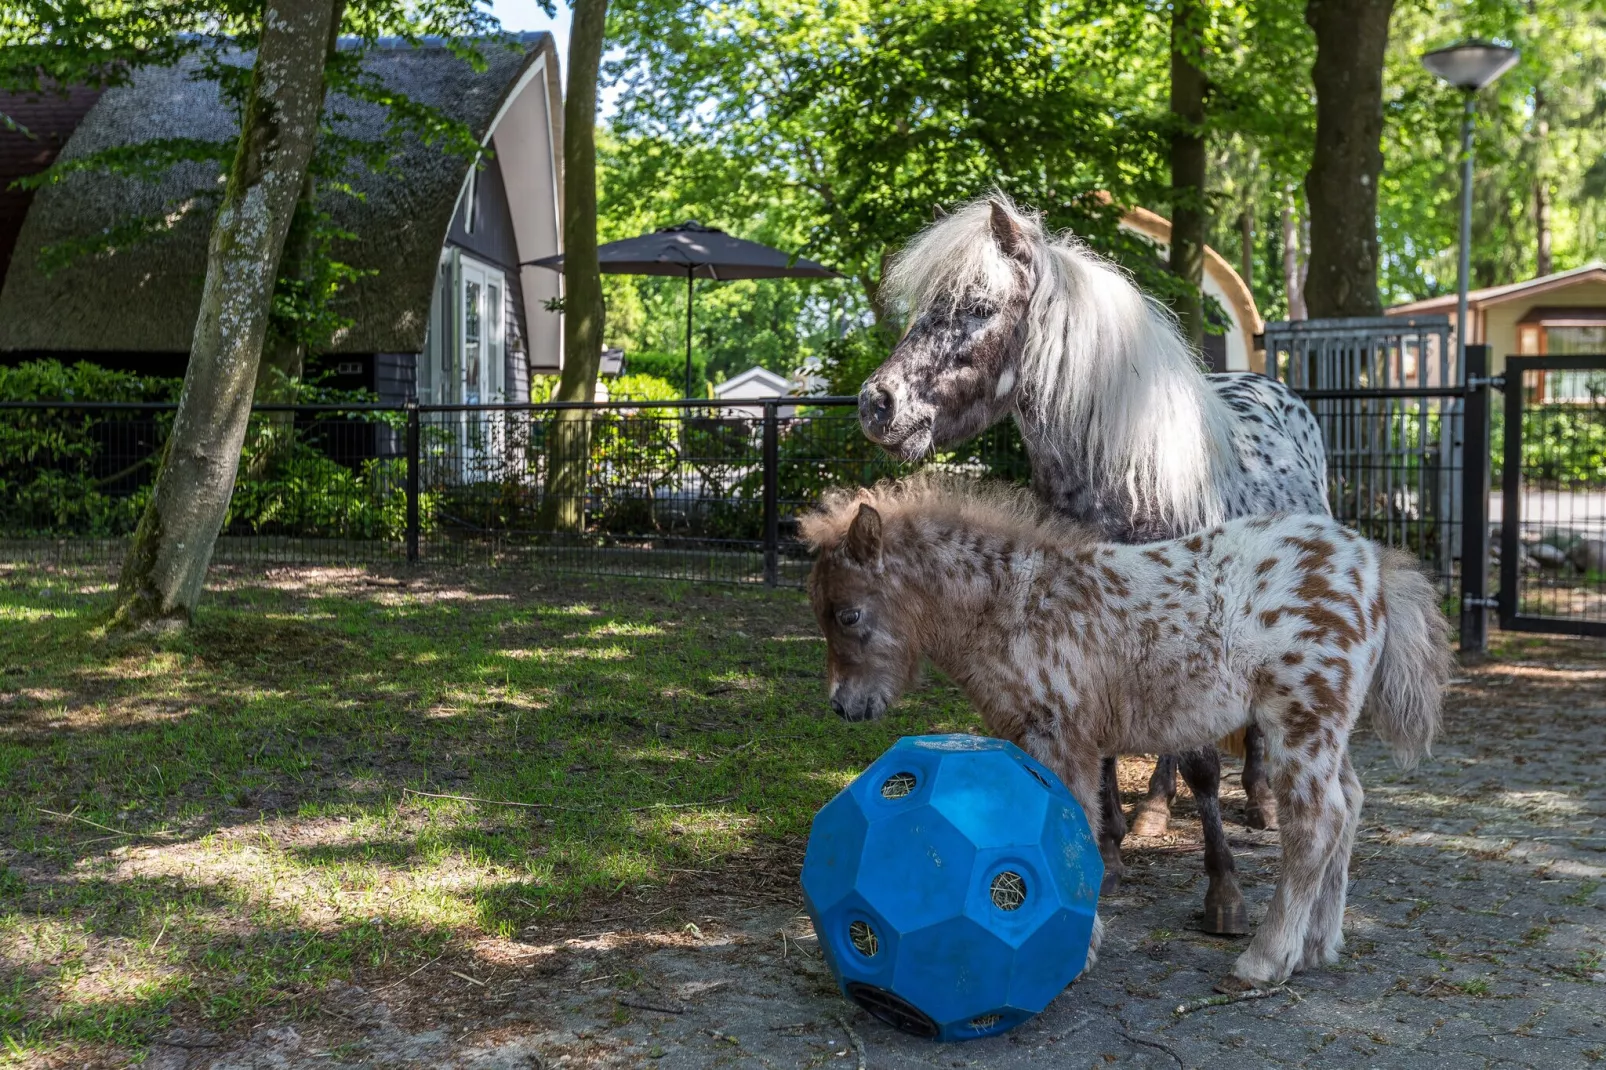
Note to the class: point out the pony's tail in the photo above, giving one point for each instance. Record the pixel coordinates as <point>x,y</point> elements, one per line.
<point>1408,688</point>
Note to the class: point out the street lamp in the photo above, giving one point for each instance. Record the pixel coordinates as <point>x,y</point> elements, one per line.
<point>1469,66</point>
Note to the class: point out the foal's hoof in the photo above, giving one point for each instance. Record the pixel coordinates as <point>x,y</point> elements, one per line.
<point>1233,985</point>
<point>1225,919</point>
<point>1151,820</point>
<point>1261,812</point>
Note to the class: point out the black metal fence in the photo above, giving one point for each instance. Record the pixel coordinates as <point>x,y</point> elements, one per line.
<point>1551,515</point>
<point>685,489</point>
<point>712,490</point>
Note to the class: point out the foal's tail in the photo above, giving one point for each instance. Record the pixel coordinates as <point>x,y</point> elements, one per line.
<point>1408,687</point>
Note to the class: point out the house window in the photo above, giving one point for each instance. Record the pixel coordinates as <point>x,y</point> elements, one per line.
<point>1575,386</point>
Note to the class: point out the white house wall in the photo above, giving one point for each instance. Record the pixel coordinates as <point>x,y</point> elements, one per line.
<point>525,145</point>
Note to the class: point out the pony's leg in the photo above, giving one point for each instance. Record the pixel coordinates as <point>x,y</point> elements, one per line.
<point>1079,769</point>
<point>1224,912</point>
<point>1325,938</point>
<point>1112,827</point>
<point>1154,812</point>
<point>1314,814</point>
<point>1260,811</point>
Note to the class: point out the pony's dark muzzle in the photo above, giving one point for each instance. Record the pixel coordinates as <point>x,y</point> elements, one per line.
<point>875,409</point>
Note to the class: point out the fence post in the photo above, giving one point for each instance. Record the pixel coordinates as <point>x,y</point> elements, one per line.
<point>412,480</point>
<point>772,493</point>
<point>1475,465</point>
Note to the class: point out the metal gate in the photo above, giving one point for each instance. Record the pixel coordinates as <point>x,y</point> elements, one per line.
<point>1552,519</point>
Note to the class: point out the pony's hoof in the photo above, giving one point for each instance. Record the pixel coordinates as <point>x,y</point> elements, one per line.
<point>1261,813</point>
<point>1233,985</point>
<point>1151,820</point>
<point>1229,919</point>
<point>1111,882</point>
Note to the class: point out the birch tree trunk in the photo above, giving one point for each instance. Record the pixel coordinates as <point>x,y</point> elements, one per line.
<point>166,565</point>
<point>1188,165</point>
<point>1341,185</point>
<point>569,443</point>
<point>1293,270</point>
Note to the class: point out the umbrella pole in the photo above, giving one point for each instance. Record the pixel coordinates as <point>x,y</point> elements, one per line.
<point>690,282</point>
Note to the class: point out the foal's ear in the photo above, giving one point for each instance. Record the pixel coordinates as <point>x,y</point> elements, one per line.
<point>937,214</point>
<point>863,543</point>
<point>1009,234</point>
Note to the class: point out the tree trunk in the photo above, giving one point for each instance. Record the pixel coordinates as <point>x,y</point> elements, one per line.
<point>1543,263</point>
<point>166,565</point>
<point>284,353</point>
<point>1341,186</point>
<point>569,444</point>
<point>1188,165</point>
<point>1293,270</point>
<point>1246,247</point>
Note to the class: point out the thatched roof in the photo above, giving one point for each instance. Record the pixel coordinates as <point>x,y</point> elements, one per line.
<point>144,297</point>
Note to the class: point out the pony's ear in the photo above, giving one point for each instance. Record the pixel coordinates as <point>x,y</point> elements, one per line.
<point>1009,234</point>
<point>863,544</point>
<point>937,214</point>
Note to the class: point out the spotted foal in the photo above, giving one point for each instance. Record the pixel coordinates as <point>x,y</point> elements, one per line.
<point>1075,648</point>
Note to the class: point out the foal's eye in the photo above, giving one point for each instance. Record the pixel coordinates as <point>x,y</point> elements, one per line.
<point>848,617</point>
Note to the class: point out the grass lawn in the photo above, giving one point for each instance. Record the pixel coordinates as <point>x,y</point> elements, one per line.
<point>195,829</point>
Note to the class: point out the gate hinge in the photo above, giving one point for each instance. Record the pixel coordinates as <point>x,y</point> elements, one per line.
<point>1494,382</point>
<point>1490,602</point>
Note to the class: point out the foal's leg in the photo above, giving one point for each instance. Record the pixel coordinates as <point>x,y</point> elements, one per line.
<point>1079,769</point>
<point>1224,912</point>
<point>1260,811</point>
<point>1154,812</point>
<point>1325,938</point>
<point>1112,827</point>
<point>1314,816</point>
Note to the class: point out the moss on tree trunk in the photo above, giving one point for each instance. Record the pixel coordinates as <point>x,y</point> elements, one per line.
<point>166,566</point>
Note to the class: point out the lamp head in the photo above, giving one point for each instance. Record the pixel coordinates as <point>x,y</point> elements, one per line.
<point>1471,65</point>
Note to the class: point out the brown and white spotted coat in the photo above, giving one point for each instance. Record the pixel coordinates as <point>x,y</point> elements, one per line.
<point>1076,648</point>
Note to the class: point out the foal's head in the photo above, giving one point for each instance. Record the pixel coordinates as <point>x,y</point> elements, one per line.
<point>870,652</point>
<point>967,281</point>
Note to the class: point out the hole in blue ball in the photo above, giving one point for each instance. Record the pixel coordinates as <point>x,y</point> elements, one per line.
<point>896,1011</point>
<point>985,1021</point>
<point>898,785</point>
<point>1009,890</point>
<point>1040,778</point>
<point>864,939</point>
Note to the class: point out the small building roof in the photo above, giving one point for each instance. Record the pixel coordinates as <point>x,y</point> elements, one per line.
<point>755,382</point>
<point>1594,271</point>
<point>143,296</point>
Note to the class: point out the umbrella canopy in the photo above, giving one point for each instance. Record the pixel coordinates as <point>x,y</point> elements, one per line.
<point>697,252</point>
<point>691,249</point>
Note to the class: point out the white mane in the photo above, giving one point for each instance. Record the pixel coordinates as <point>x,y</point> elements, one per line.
<point>1105,373</point>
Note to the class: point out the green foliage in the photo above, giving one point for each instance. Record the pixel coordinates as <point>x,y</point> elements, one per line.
<point>88,472</point>
<point>671,368</point>
<point>643,387</point>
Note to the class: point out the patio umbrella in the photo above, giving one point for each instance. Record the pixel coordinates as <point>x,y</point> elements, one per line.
<point>697,252</point>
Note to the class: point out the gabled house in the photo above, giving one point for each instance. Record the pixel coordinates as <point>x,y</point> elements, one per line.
<point>1564,312</point>
<point>442,310</point>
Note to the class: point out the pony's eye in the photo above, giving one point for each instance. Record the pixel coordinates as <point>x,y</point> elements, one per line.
<point>848,617</point>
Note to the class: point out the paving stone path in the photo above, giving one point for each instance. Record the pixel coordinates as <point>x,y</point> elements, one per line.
<point>1476,938</point>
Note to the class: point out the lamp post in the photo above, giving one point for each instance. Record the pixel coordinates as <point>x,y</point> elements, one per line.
<point>1469,66</point>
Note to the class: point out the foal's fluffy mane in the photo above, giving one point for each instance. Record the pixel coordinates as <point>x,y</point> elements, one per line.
<point>1105,372</point>
<point>938,499</point>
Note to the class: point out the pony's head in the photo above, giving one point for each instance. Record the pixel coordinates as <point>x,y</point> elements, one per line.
<point>871,655</point>
<point>966,283</point>
<point>883,584</point>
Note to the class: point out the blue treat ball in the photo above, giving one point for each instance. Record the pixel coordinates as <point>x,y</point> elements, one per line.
<point>953,886</point>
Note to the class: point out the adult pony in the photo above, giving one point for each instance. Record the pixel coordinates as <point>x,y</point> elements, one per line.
<point>1124,431</point>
